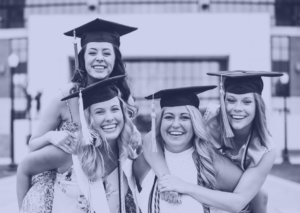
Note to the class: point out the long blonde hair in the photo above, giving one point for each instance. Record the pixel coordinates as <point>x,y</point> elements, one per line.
<point>202,144</point>
<point>91,158</point>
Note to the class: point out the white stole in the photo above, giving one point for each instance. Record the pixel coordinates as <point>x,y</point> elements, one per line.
<point>97,194</point>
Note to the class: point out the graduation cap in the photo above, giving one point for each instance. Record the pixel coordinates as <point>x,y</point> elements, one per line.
<point>174,97</point>
<point>95,93</point>
<point>99,30</point>
<point>180,96</point>
<point>240,82</point>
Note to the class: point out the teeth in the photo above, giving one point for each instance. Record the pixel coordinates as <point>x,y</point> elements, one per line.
<point>99,67</point>
<point>109,126</point>
<point>176,133</point>
<point>238,116</point>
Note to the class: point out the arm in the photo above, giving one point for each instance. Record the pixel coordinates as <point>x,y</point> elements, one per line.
<point>259,202</point>
<point>140,168</point>
<point>36,162</point>
<point>45,134</point>
<point>156,160</point>
<point>247,187</point>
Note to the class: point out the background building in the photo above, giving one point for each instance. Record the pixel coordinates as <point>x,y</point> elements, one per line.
<point>176,44</point>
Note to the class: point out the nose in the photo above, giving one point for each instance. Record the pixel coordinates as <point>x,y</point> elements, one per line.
<point>99,58</point>
<point>176,123</point>
<point>238,106</point>
<point>109,117</point>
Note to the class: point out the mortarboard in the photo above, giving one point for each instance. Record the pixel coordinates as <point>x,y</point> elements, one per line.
<point>240,82</point>
<point>180,96</point>
<point>95,93</point>
<point>98,30</point>
<point>174,97</point>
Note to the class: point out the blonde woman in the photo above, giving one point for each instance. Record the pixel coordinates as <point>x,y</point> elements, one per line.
<point>243,112</point>
<point>192,160</point>
<point>99,176</point>
<point>99,58</point>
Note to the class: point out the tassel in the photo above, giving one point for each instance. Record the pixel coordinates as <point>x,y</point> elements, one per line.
<point>75,51</point>
<point>87,137</point>
<point>227,128</point>
<point>153,126</point>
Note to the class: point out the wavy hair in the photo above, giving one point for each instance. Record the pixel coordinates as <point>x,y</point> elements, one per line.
<point>80,78</point>
<point>260,119</point>
<point>91,158</point>
<point>202,144</point>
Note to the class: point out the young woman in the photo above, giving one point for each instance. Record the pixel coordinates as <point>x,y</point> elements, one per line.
<point>104,152</point>
<point>99,59</point>
<point>190,156</point>
<point>251,148</point>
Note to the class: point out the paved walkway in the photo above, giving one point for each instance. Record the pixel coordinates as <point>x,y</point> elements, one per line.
<point>284,196</point>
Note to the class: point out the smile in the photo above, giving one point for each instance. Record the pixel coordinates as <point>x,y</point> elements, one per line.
<point>109,127</point>
<point>238,117</point>
<point>176,133</point>
<point>99,67</point>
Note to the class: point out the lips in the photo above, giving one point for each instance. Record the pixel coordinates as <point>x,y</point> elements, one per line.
<point>99,67</point>
<point>175,133</point>
<point>238,117</point>
<point>109,127</point>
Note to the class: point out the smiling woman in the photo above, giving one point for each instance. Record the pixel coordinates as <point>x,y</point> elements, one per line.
<point>99,59</point>
<point>106,118</point>
<point>243,113</point>
<point>176,129</point>
<point>98,177</point>
<point>190,156</point>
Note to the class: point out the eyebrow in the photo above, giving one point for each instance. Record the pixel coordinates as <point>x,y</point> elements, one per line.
<point>98,108</point>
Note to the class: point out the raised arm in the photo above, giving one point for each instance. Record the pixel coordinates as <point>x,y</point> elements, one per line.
<point>44,134</point>
<point>36,162</point>
<point>247,187</point>
<point>156,160</point>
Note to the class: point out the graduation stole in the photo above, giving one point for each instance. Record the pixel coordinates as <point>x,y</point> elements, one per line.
<point>154,191</point>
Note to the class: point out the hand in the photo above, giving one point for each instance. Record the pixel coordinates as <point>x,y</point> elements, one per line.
<point>64,140</point>
<point>171,197</point>
<point>171,183</point>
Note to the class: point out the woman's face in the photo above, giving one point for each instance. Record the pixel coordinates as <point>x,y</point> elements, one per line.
<point>99,58</point>
<point>108,118</point>
<point>240,110</point>
<point>176,129</point>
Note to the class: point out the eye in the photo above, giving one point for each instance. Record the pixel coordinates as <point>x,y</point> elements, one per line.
<point>185,117</point>
<point>106,53</point>
<point>99,112</point>
<point>168,117</point>
<point>247,101</point>
<point>92,53</point>
<point>230,100</point>
<point>115,109</point>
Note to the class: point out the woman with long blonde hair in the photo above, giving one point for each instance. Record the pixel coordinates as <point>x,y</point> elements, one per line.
<point>190,156</point>
<point>98,178</point>
<point>240,132</point>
